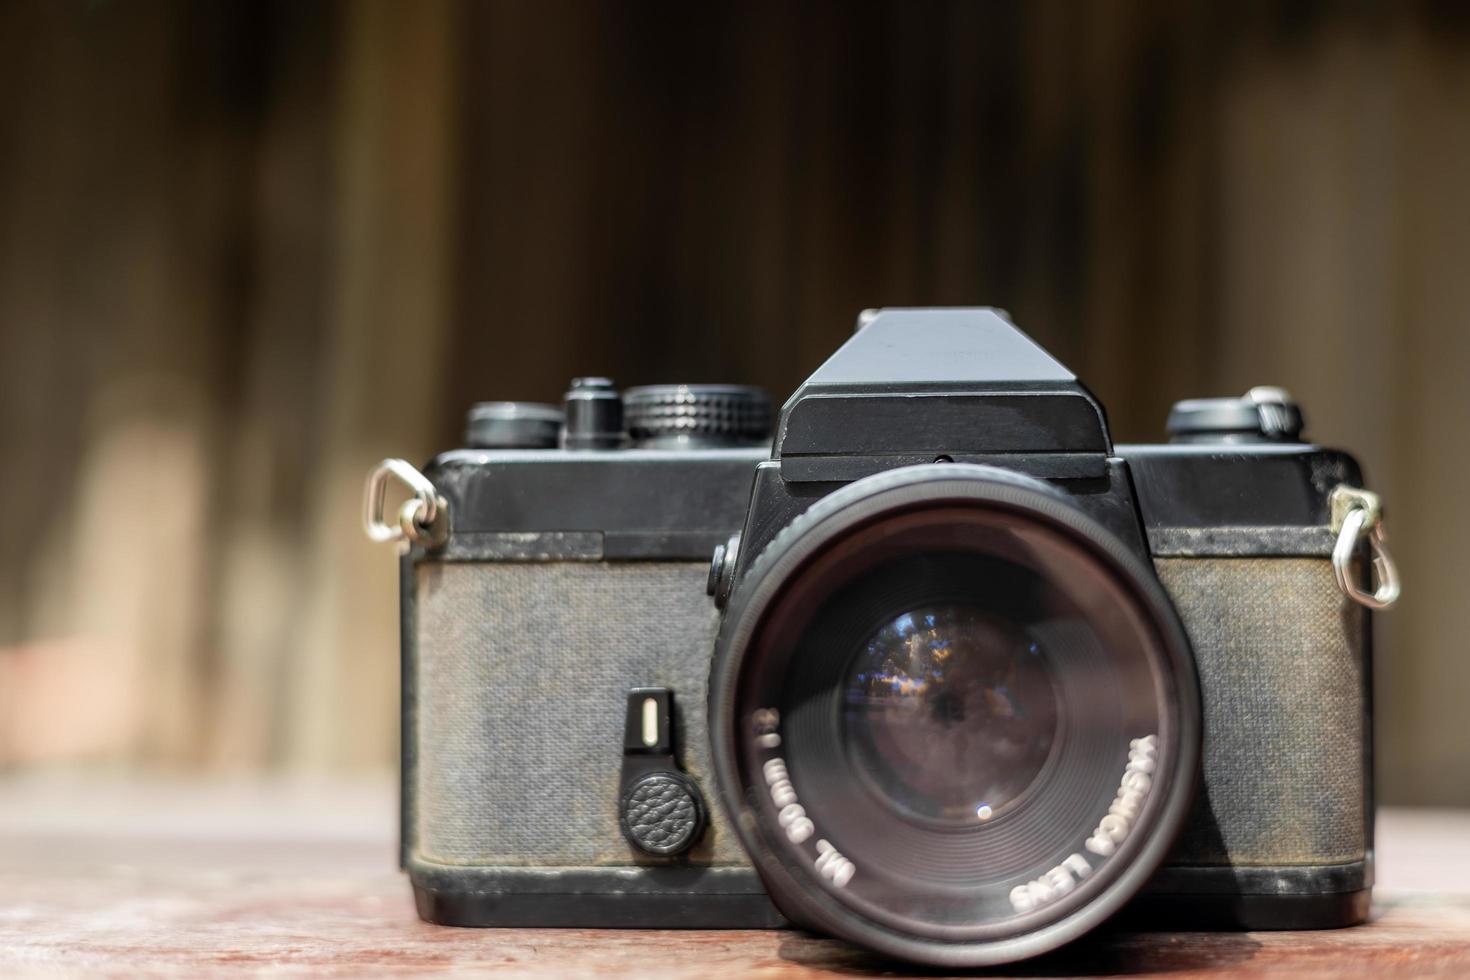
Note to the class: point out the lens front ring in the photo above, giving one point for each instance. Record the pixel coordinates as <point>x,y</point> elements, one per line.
<point>799,886</point>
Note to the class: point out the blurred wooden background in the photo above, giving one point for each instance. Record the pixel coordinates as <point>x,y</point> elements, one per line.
<point>248,248</point>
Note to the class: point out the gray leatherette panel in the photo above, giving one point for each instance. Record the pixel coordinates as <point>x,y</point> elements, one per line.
<point>523,674</point>
<point>1281,668</point>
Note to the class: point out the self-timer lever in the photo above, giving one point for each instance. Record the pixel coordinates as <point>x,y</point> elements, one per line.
<point>660,809</point>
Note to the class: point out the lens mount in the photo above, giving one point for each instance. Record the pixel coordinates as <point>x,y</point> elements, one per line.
<point>953,717</point>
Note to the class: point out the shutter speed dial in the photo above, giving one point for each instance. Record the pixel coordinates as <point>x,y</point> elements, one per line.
<point>697,416</point>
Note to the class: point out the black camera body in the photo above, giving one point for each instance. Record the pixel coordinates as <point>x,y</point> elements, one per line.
<point>973,678</point>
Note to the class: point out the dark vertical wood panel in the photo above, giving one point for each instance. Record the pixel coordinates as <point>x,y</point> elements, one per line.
<point>249,247</point>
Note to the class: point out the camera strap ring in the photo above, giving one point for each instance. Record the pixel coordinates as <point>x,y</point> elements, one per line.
<point>424,517</point>
<point>1357,515</point>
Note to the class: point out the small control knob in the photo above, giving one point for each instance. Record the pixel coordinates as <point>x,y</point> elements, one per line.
<point>662,813</point>
<point>594,415</point>
<point>1261,415</point>
<point>697,416</point>
<point>722,571</point>
<point>513,425</point>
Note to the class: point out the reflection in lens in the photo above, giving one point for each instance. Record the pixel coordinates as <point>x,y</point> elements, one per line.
<point>951,712</point>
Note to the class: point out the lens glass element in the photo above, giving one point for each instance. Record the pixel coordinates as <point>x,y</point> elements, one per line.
<point>950,712</point>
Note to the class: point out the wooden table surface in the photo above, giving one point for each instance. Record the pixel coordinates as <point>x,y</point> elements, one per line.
<point>166,878</point>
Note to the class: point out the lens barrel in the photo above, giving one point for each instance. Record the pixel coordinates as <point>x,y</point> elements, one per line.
<point>954,718</point>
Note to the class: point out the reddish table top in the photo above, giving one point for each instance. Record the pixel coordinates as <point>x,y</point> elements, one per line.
<point>175,878</point>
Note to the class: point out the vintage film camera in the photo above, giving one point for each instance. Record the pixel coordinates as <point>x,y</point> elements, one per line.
<point>972,678</point>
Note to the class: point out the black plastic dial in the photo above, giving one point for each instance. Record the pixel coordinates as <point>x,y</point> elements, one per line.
<point>697,415</point>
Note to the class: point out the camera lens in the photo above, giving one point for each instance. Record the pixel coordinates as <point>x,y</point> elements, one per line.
<point>956,719</point>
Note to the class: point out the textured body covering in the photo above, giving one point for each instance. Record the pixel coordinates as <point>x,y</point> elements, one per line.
<point>1283,678</point>
<point>523,670</point>
<point>523,675</point>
